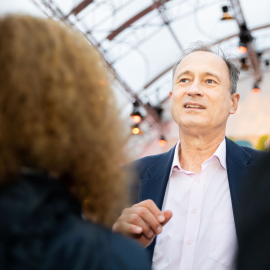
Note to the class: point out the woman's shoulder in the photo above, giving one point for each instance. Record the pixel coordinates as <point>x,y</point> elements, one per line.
<point>79,244</point>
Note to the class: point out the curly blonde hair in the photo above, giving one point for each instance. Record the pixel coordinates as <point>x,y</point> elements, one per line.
<point>58,113</point>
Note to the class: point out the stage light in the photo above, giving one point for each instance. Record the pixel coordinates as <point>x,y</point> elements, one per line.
<point>242,48</point>
<point>259,54</point>
<point>135,130</point>
<point>226,15</point>
<point>244,64</point>
<point>136,117</point>
<point>256,90</point>
<point>162,141</point>
<point>245,38</point>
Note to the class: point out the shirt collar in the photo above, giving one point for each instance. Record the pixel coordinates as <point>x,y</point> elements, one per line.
<point>220,153</point>
<point>176,163</point>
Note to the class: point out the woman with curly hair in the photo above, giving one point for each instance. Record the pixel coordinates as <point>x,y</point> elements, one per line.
<point>60,150</point>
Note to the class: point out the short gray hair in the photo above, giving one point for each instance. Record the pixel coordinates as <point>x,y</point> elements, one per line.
<point>232,62</point>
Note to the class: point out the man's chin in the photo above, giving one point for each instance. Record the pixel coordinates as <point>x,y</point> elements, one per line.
<point>194,121</point>
<point>194,124</point>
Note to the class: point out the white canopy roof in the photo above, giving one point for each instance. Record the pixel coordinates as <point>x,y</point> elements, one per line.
<point>142,39</point>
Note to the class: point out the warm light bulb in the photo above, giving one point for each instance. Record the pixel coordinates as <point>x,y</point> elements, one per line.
<point>242,49</point>
<point>136,119</point>
<point>226,16</point>
<point>162,143</point>
<point>135,130</point>
<point>255,91</point>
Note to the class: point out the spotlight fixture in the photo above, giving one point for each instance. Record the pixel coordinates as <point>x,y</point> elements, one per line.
<point>266,62</point>
<point>244,63</point>
<point>136,115</point>
<point>159,111</point>
<point>259,54</point>
<point>245,37</point>
<point>136,103</point>
<point>226,15</point>
<point>242,48</point>
<point>162,141</point>
<point>256,90</point>
<point>136,130</point>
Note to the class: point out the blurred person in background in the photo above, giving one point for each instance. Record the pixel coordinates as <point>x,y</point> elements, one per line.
<point>254,236</point>
<point>195,187</point>
<point>60,150</point>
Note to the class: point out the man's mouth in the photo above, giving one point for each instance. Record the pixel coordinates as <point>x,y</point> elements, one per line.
<point>194,106</point>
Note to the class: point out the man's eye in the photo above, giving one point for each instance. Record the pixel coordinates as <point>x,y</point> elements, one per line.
<point>210,81</point>
<point>184,80</point>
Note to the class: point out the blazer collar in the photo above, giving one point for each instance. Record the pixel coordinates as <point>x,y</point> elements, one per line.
<point>154,187</point>
<point>238,170</point>
<point>236,153</point>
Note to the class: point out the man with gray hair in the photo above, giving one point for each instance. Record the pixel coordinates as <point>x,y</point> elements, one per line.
<point>195,187</point>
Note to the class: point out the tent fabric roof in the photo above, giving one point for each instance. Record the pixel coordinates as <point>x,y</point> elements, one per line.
<point>143,39</point>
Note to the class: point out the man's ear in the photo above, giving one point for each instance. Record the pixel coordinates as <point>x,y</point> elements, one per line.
<point>170,95</point>
<point>235,99</point>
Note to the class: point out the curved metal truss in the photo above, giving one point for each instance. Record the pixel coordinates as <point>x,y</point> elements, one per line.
<point>115,39</point>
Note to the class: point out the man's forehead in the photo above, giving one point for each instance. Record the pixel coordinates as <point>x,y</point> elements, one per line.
<point>202,55</point>
<point>202,58</point>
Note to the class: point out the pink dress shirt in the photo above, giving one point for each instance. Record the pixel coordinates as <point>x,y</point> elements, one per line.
<point>201,234</point>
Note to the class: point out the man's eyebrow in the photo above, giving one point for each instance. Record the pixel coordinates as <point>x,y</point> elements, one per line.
<point>212,75</point>
<point>186,72</point>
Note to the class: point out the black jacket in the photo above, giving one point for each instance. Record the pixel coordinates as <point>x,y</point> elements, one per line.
<point>254,236</point>
<point>41,227</point>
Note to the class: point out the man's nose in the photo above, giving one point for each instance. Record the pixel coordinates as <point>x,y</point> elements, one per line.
<point>195,90</point>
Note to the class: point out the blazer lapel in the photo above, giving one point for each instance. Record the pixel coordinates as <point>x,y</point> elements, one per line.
<point>238,173</point>
<point>154,187</point>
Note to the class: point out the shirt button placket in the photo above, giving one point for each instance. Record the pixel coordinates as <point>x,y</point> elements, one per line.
<point>193,223</point>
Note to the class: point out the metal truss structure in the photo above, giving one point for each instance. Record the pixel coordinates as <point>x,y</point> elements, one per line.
<point>51,9</point>
<point>116,43</point>
<point>252,55</point>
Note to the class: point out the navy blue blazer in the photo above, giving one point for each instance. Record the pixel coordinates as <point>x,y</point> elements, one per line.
<point>153,172</point>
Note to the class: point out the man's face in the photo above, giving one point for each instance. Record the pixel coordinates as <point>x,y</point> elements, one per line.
<point>201,100</point>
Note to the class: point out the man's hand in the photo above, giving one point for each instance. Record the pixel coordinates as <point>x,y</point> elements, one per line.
<point>143,221</point>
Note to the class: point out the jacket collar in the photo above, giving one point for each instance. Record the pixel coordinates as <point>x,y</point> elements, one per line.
<point>236,153</point>
<point>154,187</point>
<point>238,170</point>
